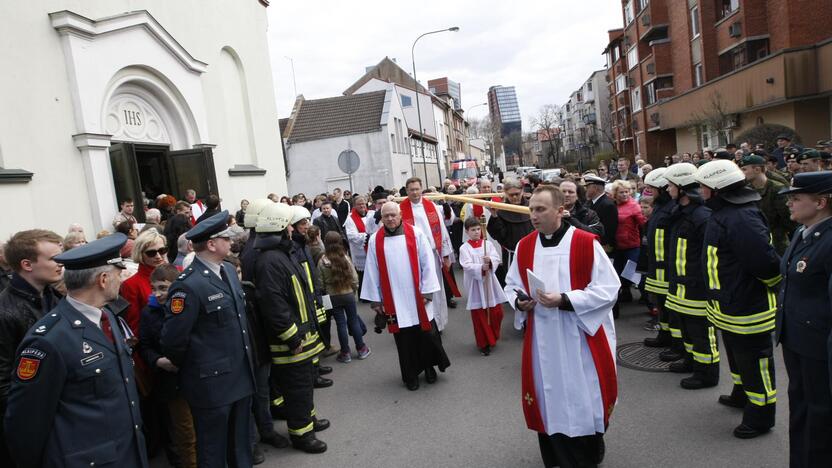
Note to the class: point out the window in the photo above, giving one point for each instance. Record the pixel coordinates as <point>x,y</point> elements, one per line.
<point>589,86</point>
<point>650,93</point>
<point>616,53</point>
<point>632,57</point>
<point>694,22</point>
<point>642,4</point>
<point>699,76</point>
<point>609,59</point>
<point>635,98</point>
<point>620,84</point>
<point>742,55</point>
<point>629,13</point>
<point>407,101</point>
<point>726,7</point>
<point>393,143</point>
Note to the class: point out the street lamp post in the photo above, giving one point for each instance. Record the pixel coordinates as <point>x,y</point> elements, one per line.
<point>418,108</point>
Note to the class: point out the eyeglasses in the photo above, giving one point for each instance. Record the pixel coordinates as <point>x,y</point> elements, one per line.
<point>152,252</point>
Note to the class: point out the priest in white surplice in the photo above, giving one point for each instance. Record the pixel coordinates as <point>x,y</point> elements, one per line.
<point>355,228</point>
<point>569,384</point>
<point>400,282</point>
<point>427,218</point>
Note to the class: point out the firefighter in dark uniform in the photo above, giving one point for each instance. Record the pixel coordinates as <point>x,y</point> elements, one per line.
<point>742,270</point>
<point>301,220</point>
<point>670,335</point>
<point>771,203</point>
<point>290,322</point>
<point>205,335</point>
<point>686,292</point>
<point>73,399</point>
<point>804,326</point>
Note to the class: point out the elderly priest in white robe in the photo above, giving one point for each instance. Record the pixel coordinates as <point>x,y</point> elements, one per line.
<point>400,280</point>
<point>563,286</point>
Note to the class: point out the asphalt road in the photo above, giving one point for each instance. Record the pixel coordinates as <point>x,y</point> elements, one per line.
<point>472,416</point>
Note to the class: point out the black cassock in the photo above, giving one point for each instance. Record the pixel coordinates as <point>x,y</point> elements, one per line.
<point>419,350</point>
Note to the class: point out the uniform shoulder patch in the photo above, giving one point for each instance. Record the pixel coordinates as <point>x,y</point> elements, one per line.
<point>28,365</point>
<point>177,302</point>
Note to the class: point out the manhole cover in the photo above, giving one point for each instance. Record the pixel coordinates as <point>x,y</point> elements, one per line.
<point>639,357</point>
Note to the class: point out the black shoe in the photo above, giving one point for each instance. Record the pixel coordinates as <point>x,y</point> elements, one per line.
<point>320,425</point>
<point>658,342</point>
<point>413,386</point>
<point>671,355</point>
<point>452,303</point>
<point>275,440</point>
<point>257,455</point>
<point>430,375</point>
<point>486,350</point>
<point>309,444</point>
<point>681,367</point>
<point>324,370</point>
<point>744,431</point>
<point>322,382</point>
<point>728,400</point>
<point>696,382</point>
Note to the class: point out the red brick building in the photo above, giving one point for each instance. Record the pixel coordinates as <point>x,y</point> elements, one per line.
<point>691,74</point>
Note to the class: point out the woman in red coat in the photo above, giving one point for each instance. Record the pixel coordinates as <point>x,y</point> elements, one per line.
<point>149,251</point>
<point>628,235</point>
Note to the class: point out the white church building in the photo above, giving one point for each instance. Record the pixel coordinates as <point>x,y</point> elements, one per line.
<point>104,100</point>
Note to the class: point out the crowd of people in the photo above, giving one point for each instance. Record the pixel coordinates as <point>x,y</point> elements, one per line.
<point>202,327</point>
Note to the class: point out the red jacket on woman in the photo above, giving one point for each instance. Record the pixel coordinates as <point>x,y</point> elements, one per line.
<point>136,291</point>
<point>630,219</point>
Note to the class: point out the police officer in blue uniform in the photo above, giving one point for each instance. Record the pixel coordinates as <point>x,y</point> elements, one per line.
<point>205,335</point>
<point>742,270</point>
<point>73,399</point>
<point>804,319</point>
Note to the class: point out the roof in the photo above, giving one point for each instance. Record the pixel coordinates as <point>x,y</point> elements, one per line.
<point>283,123</point>
<point>389,71</point>
<point>343,115</point>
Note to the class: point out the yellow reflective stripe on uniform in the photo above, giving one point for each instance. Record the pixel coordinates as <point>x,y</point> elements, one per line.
<point>659,237</point>
<point>660,275</point>
<point>742,330</point>
<point>308,340</point>
<point>664,326</point>
<point>301,431</point>
<point>713,342</point>
<point>681,252</point>
<point>772,300</point>
<point>298,357</point>
<point>756,398</point>
<point>321,314</point>
<point>314,412</point>
<point>278,401</point>
<point>288,333</point>
<point>309,277</point>
<point>316,361</point>
<point>683,309</point>
<point>737,378</point>
<point>771,392</point>
<point>771,282</point>
<point>301,299</point>
<point>688,347</point>
<point>712,268</point>
<point>704,358</point>
<point>676,333</point>
<point>741,319</point>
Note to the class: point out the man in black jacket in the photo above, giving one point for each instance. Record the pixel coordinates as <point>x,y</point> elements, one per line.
<point>604,206</point>
<point>508,227</point>
<point>342,207</point>
<point>27,298</point>
<point>179,224</point>
<point>328,222</point>
<point>212,207</point>
<point>576,213</point>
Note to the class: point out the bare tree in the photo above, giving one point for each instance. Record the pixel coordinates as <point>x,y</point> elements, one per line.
<point>547,125</point>
<point>608,134</point>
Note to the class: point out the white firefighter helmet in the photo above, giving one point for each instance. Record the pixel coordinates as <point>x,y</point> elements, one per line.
<point>681,174</point>
<point>274,218</point>
<point>719,173</point>
<point>655,178</point>
<point>253,211</point>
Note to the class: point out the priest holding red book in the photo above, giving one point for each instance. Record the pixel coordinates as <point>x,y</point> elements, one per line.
<point>563,287</point>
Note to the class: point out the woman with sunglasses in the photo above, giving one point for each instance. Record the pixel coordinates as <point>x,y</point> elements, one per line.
<point>149,251</point>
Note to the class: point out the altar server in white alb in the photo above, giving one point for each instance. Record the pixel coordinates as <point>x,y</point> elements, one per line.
<point>479,258</point>
<point>425,216</point>
<point>355,227</point>
<point>569,382</point>
<point>400,282</point>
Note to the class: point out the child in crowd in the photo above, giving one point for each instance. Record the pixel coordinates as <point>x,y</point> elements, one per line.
<point>646,204</point>
<point>341,282</point>
<point>165,388</point>
<point>479,259</point>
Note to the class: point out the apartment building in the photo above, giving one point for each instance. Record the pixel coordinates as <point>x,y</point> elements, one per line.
<point>585,118</point>
<point>505,112</point>
<point>685,75</point>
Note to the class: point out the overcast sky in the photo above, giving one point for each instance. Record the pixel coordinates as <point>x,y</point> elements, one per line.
<point>545,48</point>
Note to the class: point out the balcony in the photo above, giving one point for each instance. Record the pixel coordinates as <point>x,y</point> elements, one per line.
<point>659,62</point>
<point>652,21</point>
<point>783,77</point>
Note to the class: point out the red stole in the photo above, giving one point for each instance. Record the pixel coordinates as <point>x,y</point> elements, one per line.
<point>475,243</point>
<point>436,232</point>
<point>477,211</point>
<point>581,259</point>
<point>387,292</point>
<point>358,220</point>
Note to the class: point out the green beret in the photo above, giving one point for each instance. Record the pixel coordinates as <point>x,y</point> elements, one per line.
<point>752,160</point>
<point>808,154</point>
